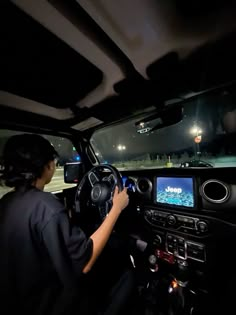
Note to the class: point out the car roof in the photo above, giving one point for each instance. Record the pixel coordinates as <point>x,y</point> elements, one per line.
<point>78,65</point>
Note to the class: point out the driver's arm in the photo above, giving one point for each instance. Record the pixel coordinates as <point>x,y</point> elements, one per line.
<point>101,235</point>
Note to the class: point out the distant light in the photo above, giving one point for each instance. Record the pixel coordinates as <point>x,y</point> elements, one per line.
<point>77,158</point>
<point>97,154</point>
<point>121,147</point>
<point>142,124</point>
<point>74,149</point>
<point>193,130</point>
<point>196,130</point>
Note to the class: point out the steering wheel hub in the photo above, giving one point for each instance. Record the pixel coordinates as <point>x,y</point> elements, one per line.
<point>100,193</point>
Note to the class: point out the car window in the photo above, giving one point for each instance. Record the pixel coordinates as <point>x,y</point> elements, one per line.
<point>66,151</point>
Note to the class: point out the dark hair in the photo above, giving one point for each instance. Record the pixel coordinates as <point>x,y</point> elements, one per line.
<point>24,159</point>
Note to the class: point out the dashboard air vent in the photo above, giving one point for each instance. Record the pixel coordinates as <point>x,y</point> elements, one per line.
<point>215,191</point>
<point>144,186</point>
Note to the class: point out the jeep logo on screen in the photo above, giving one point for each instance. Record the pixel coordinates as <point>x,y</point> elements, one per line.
<point>173,190</point>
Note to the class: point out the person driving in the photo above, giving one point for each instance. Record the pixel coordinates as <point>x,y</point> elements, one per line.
<point>43,257</point>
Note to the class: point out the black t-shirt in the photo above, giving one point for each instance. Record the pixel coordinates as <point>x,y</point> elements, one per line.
<point>41,255</point>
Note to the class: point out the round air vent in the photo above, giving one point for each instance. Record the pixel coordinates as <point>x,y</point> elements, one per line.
<point>144,185</point>
<point>215,191</point>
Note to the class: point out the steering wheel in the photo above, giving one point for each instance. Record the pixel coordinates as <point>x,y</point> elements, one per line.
<point>102,188</point>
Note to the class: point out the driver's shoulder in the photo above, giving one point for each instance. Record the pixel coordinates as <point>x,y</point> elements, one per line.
<point>44,206</point>
<point>50,201</point>
<point>47,207</point>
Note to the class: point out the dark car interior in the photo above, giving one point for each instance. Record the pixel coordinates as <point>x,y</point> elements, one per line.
<point>123,82</point>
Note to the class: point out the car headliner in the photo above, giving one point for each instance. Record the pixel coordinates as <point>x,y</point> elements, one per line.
<point>78,65</point>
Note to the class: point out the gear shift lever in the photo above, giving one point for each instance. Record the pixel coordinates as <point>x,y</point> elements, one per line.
<point>182,274</point>
<point>177,289</point>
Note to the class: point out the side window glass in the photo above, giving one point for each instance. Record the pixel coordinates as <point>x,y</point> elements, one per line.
<point>66,151</point>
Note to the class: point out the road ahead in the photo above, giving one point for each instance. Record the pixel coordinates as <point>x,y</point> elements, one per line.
<point>57,184</point>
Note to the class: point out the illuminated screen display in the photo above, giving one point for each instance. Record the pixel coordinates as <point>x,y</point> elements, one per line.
<point>177,191</point>
<point>124,179</point>
<point>129,183</point>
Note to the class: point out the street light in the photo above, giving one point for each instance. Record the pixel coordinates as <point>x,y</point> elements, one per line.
<point>196,131</point>
<point>121,147</point>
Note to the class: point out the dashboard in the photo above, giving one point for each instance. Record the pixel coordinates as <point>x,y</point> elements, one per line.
<point>187,214</point>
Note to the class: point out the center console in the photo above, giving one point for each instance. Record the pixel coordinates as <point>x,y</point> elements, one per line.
<point>179,234</point>
<point>175,227</point>
<point>172,232</point>
<point>188,217</point>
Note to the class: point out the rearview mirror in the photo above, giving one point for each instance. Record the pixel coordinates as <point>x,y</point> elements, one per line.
<point>73,172</point>
<point>161,119</point>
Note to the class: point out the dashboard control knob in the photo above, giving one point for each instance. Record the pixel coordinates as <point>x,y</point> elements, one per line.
<point>148,214</point>
<point>171,220</point>
<point>152,259</point>
<point>153,266</point>
<point>202,226</point>
<point>158,240</point>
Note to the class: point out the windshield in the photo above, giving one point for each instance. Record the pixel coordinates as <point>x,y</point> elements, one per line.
<point>204,137</point>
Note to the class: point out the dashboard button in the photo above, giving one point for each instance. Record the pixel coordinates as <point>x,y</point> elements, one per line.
<point>191,223</point>
<point>148,214</point>
<point>157,240</point>
<point>196,251</point>
<point>181,241</point>
<point>181,251</point>
<point>171,220</point>
<point>170,248</point>
<point>186,230</point>
<point>202,226</point>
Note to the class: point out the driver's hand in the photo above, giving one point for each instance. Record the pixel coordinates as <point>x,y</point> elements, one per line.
<point>120,199</point>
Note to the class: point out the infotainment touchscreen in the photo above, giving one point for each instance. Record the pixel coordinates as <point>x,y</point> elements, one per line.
<point>176,191</point>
